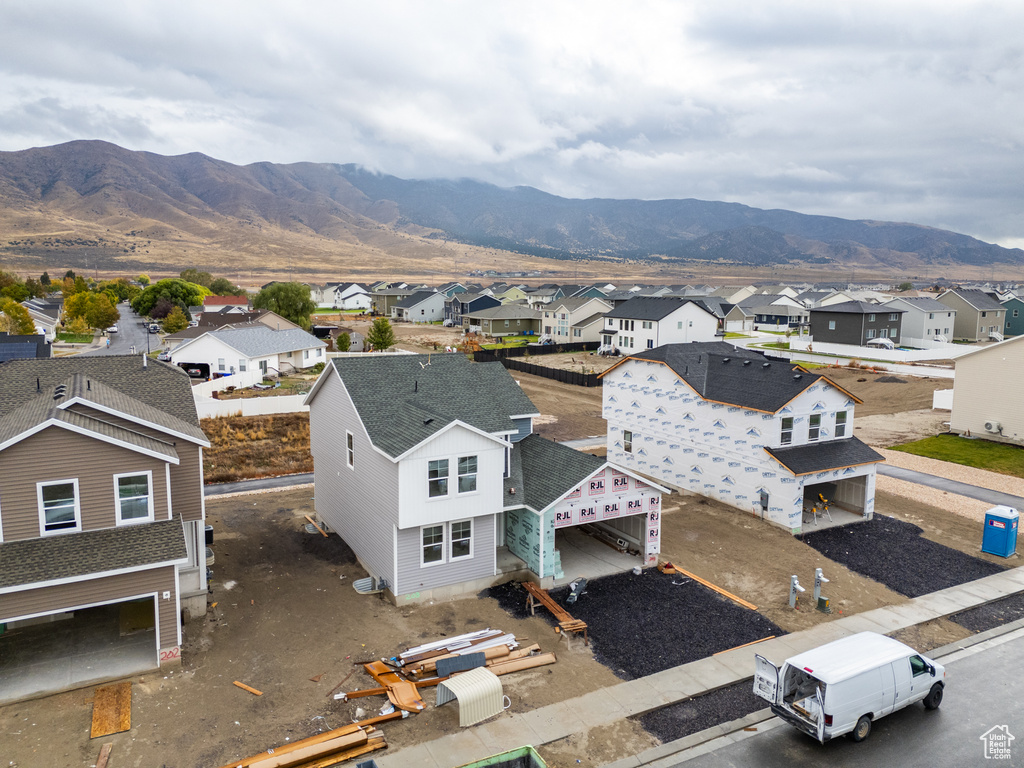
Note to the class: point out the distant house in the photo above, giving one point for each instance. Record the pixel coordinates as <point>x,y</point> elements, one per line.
<point>101,528</point>
<point>384,299</point>
<point>46,314</point>
<point>464,303</point>
<point>774,312</point>
<point>978,315</point>
<point>419,307</point>
<point>924,319</point>
<point>986,392</point>
<point>646,322</point>
<point>250,348</point>
<point>1014,325</point>
<point>856,323</point>
<point>505,320</point>
<point>574,320</point>
<point>14,347</point>
<point>232,303</point>
<point>350,296</point>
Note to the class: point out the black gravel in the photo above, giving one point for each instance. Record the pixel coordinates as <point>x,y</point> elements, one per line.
<point>986,617</point>
<point>894,553</point>
<point>701,712</point>
<point>639,625</point>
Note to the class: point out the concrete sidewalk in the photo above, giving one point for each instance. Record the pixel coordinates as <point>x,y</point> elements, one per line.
<point>635,697</point>
<point>952,486</point>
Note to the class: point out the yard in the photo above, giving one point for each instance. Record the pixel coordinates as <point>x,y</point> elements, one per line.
<point>980,454</point>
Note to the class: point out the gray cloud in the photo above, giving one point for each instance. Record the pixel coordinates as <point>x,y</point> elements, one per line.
<point>903,110</point>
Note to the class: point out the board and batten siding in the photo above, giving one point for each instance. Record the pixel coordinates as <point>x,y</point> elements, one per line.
<point>186,476</point>
<point>417,508</point>
<point>412,577</point>
<point>59,454</point>
<point>109,589</point>
<point>359,504</point>
<point>987,389</point>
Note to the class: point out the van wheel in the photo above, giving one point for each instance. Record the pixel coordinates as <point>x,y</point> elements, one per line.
<point>862,730</point>
<point>934,697</point>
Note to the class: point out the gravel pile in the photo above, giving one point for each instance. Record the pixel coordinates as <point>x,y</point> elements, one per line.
<point>890,380</point>
<point>639,625</point>
<point>894,553</point>
<point>696,714</point>
<point>992,615</point>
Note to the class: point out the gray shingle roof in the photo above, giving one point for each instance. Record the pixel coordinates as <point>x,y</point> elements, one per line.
<point>978,299</point>
<point>647,307</point>
<point>416,298</point>
<point>29,561</point>
<point>827,455</point>
<point>505,312</point>
<point>164,388</point>
<point>550,470</point>
<point>857,308</point>
<point>924,303</point>
<point>402,400</point>
<point>720,372</point>
<point>258,340</point>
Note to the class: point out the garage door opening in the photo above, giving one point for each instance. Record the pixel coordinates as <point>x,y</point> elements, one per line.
<point>596,550</point>
<point>70,649</point>
<point>834,503</point>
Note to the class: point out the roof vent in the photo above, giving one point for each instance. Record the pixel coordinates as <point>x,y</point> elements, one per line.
<point>59,392</point>
<point>766,365</point>
<point>427,421</point>
<point>746,362</point>
<point>725,359</point>
<point>797,377</point>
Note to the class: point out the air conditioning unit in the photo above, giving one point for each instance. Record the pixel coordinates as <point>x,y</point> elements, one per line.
<point>993,426</point>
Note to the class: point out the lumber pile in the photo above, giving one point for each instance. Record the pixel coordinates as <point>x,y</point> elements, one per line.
<point>535,596</point>
<point>323,750</point>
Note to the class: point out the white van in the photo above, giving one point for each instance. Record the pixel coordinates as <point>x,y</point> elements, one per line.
<point>844,686</point>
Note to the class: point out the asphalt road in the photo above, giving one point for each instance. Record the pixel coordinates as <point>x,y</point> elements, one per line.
<point>131,333</point>
<point>982,692</point>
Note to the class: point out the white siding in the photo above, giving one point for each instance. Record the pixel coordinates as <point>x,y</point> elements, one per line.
<point>987,389</point>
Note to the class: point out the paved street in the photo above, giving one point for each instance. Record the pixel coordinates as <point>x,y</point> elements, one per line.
<point>130,333</point>
<point>983,691</point>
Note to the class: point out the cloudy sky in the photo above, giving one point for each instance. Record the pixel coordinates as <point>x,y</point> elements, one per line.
<point>897,110</point>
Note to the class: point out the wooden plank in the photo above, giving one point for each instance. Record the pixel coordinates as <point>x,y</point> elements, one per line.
<point>111,710</point>
<point>313,522</point>
<point>245,687</point>
<point>719,590</point>
<point>752,642</point>
<point>517,665</point>
<point>101,761</point>
<point>307,752</point>
<point>341,757</point>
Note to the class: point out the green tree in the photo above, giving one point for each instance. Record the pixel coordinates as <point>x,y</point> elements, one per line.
<point>45,279</point>
<point>76,305</point>
<point>175,321</point>
<point>142,279</point>
<point>102,313</point>
<point>15,319</point>
<point>905,287</point>
<point>35,288</point>
<point>221,286</point>
<point>193,275</point>
<point>343,343</point>
<point>381,335</point>
<point>70,273</point>
<point>77,325</point>
<point>290,300</point>
<point>175,290</point>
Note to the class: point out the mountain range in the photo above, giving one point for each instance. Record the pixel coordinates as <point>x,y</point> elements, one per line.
<point>125,209</point>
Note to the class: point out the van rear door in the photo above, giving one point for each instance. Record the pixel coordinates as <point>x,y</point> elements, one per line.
<point>766,680</point>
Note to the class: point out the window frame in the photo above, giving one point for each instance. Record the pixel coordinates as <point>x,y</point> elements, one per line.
<point>441,545</point>
<point>350,450</point>
<point>627,440</point>
<point>42,510</point>
<point>814,427</point>
<point>459,474</point>
<point>431,479</point>
<point>831,325</point>
<point>840,424</point>
<point>451,540</point>
<point>148,473</point>
<point>786,433</point>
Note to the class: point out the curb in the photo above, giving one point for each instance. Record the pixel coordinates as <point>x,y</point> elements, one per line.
<point>673,749</point>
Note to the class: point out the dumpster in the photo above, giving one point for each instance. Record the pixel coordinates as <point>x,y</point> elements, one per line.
<point>1000,537</point>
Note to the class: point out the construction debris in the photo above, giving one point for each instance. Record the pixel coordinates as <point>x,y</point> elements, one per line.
<point>245,687</point>
<point>324,749</point>
<point>111,710</point>
<point>566,623</point>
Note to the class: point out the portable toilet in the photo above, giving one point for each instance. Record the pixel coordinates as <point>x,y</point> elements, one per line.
<point>1000,537</point>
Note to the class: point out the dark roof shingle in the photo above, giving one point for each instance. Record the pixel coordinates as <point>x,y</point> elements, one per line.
<point>823,456</point>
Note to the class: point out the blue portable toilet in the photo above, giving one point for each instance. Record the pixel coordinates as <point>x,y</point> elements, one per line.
<point>1000,537</point>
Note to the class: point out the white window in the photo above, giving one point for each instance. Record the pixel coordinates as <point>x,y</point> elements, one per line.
<point>831,325</point>
<point>320,353</point>
<point>786,436</point>
<point>577,332</point>
<point>461,539</point>
<point>221,366</point>
<point>927,331</point>
<point>241,365</point>
<point>627,441</point>
<point>506,323</point>
<point>814,427</point>
<point>350,451</point>
<point>894,316</point>
<point>841,424</point>
<point>647,324</point>
<point>59,511</point>
<point>437,476</point>
<point>871,333</point>
<point>432,544</point>
<point>134,497</point>
<point>467,474</point>
<point>305,354</point>
<point>871,318</point>
<point>679,325</point>
<point>931,315</point>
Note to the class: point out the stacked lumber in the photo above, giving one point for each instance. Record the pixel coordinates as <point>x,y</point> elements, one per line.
<point>321,751</point>
<point>536,596</point>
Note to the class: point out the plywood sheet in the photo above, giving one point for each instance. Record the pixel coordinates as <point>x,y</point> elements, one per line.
<point>111,710</point>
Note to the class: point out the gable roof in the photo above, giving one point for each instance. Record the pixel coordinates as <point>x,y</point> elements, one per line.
<point>923,303</point>
<point>649,307</point>
<point>857,308</point>
<point>222,301</point>
<point>825,455</point>
<point>573,303</point>
<point>416,298</point>
<point>722,373</point>
<point>505,312</point>
<point>977,299</point>
<point>403,400</point>
<point>256,340</point>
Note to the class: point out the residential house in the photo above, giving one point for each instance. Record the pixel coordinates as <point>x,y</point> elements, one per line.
<point>463,303</point>
<point>773,312</point>
<point>504,320</point>
<point>986,393</point>
<point>31,347</point>
<point>419,307</point>
<point>385,299</point>
<point>450,289</point>
<point>46,314</point>
<point>646,322</point>
<point>217,320</point>
<point>350,296</point>
<point>102,520</point>
<point>924,320</point>
<point>763,436</point>
<point>979,317</point>
<point>226,303</point>
<point>574,320</point>
<point>856,323</point>
<point>1014,308</point>
<point>223,351</point>
<point>427,467</point>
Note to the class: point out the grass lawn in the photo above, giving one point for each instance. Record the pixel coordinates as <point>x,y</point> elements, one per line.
<point>74,338</point>
<point>980,454</point>
<point>775,345</point>
<point>734,335</point>
<point>509,341</point>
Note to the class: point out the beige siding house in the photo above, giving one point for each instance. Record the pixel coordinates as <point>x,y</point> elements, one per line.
<point>986,393</point>
<point>101,518</point>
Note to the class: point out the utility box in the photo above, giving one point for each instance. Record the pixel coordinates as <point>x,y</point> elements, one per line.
<point>1000,537</point>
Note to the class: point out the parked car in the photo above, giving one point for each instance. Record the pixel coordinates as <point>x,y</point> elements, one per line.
<point>842,687</point>
<point>164,356</point>
<point>112,329</point>
<point>154,327</point>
